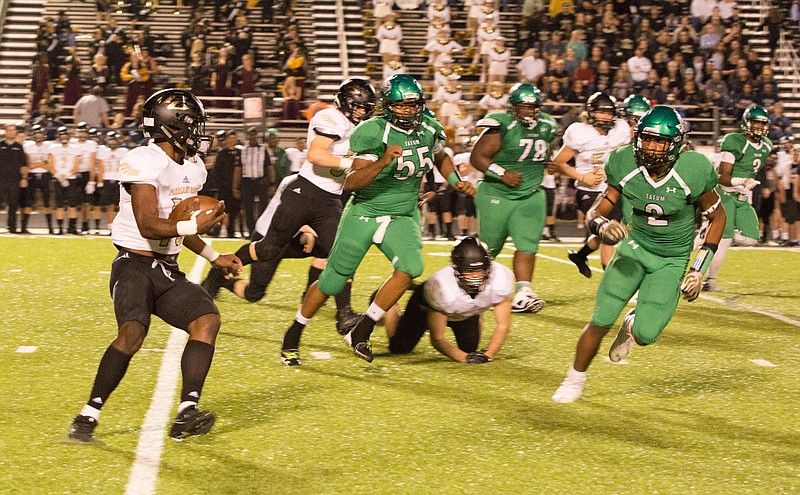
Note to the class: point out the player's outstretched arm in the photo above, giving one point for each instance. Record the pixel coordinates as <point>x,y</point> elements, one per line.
<point>712,209</point>
<point>502,316</point>
<point>364,172</point>
<point>144,201</point>
<point>437,324</point>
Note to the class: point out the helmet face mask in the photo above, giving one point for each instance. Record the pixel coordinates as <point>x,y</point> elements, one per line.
<point>601,104</point>
<point>659,138</point>
<point>526,102</point>
<point>471,263</point>
<point>755,122</point>
<point>177,117</point>
<point>355,95</point>
<point>403,101</point>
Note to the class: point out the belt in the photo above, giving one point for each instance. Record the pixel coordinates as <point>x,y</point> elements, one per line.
<point>172,258</point>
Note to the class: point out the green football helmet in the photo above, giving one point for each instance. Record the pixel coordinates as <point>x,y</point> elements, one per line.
<point>664,126</point>
<point>753,116</point>
<point>634,107</point>
<point>526,101</point>
<point>402,89</point>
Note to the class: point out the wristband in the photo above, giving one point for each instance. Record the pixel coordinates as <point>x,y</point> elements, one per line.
<point>594,225</point>
<point>495,171</point>
<point>454,178</point>
<point>188,227</point>
<point>345,163</point>
<point>209,253</point>
<point>703,259</point>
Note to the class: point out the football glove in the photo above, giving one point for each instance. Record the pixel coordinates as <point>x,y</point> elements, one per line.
<point>90,187</point>
<point>692,282</point>
<point>609,231</point>
<point>745,184</point>
<point>478,357</point>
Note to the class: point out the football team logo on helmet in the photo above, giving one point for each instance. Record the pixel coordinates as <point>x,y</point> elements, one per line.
<point>755,122</point>
<point>402,90</point>
<point>600,102</point>
<point>658,138</point>
<point>526,102</point>
<point>176,116</point>
<point>352,95</point>
<point>471,262</point>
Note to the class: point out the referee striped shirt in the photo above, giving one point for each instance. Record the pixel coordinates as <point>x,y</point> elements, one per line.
<point>254,161</point>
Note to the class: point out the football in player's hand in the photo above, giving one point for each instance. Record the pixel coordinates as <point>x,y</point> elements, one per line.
<point>183,210</point>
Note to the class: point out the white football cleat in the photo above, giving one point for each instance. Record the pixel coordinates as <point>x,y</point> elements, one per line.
<point>570,390</point>
<point>526,301</point>
<point>624,342</point>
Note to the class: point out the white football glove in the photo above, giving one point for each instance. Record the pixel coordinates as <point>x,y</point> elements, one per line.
<point>612,232</point>
<point>692,282</point>
<point>745,184</point>
<point>90,187</point>
<point>62,180</point>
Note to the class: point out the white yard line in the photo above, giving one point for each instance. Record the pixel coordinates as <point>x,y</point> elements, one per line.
<point>144,473</point>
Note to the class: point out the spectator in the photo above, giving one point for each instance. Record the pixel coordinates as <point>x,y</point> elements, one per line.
<point>576,42</point>
<point>439,9</point>
<point>280,164</point>
<point>794,11</point>
<point>719,88</point>
<point>382,10</point>
<point>555,94</point>
<point>727,9</point>
<point>40,81</point>
<point>639,66</point>
<point>389,35</point>
<point>622,86</point>
<point>227,176</point>
<point>137,74</point>
<point>222,77</point>
<point>92,109</point>
<point>292,99</point>
<point>532,67</point>
<point>486,35</point>
<point>684,24</point>
<point>295,64</point>
<point>739,79</point>
<point>99,72</point>
<point>441,50</point>
<point>585,75</point>
<point>570,61</point>
<point>743,100</point>
<point>241,38</point>
<point>685,45</point>
<point>766,76</point>
<point>554,46</point>
<point>113,49</point>
<point>754,65</point>
<point>558,74</point>
<point>297,155</point>
<point>780,125</point>
<point>494,100</point>
<point>447,97</point>
<point>437,27</point>
<point>701,11</point>
<point>767,96</point>
<point>245,76</point>
<point>596,57</point>
<point>393,67</point>
<point>198,75</point>
<point>773,25</point>
<point>498,58</point>
<point>73,88</point>
<point>579,92</point>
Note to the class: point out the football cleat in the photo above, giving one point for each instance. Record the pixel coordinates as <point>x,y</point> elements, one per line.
<point>213,282</point>
<point>191,422</point>
<point>346,319</point>
<point>526,301</point>
<point>580,262</point>
<point>624,342</point>
<point>82,428</point>
<point>570,390</point>
<point>290,357</point>
<point>362,350</point>
<point>710,285</point>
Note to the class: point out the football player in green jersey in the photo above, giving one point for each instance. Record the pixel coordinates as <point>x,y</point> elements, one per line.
<point>512,152</point>
<point>391,154</point>
<point>658,185</point>
<point>742,154</point>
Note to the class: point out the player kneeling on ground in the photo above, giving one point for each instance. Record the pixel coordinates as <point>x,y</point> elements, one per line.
<point>455,297</point>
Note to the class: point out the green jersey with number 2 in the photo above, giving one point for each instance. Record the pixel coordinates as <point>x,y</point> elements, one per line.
<point>660,214</point>
<point>522,150</point>
<point>395,191</point>
<point>748,157</point>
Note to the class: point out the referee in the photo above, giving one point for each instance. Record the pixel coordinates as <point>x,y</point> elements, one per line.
<point>255,182</point>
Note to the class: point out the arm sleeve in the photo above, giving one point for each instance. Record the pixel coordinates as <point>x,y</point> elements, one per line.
<point>732,144</point>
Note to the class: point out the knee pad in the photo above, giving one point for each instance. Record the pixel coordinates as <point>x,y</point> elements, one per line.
<point>254,293</point>
<point>331,283</point>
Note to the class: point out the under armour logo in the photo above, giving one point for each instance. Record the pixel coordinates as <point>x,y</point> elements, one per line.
<point>495,202</point>
<point>366,219</point>
<point>633,244</point>
<point>672,190</point>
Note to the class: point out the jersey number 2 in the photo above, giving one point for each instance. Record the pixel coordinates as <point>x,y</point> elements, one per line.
<point>656,212</point>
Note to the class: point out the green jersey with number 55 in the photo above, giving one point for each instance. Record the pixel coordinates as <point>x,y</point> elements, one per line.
<point>660,214</point>
<point>522,150</point>
<point>747,157</point>
<point>395,191</point>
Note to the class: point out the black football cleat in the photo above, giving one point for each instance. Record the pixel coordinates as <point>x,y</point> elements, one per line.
<point>290,357</point>
<point>346,320</point>
<point>191,422</point>
<point>580,262</point>
<point>213,282</point>
<point>82,428</point>
<point>363,350</point>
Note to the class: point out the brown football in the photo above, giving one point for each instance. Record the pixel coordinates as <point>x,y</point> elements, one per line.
<point>184,209</point>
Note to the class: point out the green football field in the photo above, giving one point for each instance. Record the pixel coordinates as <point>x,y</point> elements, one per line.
<point>712,408</point>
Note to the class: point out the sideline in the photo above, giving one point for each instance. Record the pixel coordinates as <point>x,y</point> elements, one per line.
<point>144,473</point>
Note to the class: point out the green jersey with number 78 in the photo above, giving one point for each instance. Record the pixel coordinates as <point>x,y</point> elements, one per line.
<point>395,191</point>
<point>525,150</point>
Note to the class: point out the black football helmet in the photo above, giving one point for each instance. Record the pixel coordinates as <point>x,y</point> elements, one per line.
<point>177,117</point>
<point>112,139</point>
<point>601,102</point>
<point>38,133</point>
<point>353,94</point>
<point>469,257</point>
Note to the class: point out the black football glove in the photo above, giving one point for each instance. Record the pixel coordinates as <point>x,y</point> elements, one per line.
<point>478,357</point>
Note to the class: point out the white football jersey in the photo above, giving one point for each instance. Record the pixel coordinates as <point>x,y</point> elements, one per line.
<point>174,182</point>
<point>38,154</point>
<point>111,160</point>
<point>593,148</point>
<point>86,148</point>
<point>64,159</point>
<point>331,123</point>
<point>264,221</point>
<point>443,294</point>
